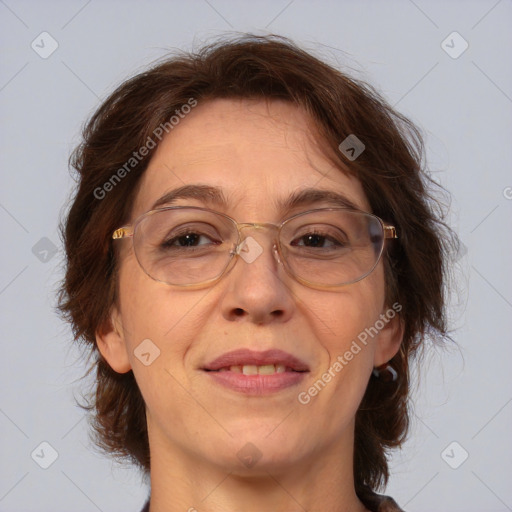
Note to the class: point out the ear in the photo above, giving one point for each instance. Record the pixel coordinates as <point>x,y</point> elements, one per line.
<point>112,344</point>
<point>389,338</point>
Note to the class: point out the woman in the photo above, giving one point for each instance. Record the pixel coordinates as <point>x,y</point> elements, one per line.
<point>253,259</point>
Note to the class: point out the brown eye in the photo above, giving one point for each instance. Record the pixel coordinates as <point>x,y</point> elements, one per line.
<point>187,240</point>
<point>315,240</point>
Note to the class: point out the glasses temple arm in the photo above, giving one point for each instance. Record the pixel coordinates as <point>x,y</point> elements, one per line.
<point>390,232</point>
<point>124,232</point>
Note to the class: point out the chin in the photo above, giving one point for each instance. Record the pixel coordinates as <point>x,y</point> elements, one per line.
<point>253,452</point>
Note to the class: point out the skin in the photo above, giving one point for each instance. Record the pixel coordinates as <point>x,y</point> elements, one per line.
<point>258,153</point>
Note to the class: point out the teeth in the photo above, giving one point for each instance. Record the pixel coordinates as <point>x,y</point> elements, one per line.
<point>267,369</point>
<point>251,369</point>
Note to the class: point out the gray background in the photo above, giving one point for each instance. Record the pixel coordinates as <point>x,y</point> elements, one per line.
<point>463,105</point>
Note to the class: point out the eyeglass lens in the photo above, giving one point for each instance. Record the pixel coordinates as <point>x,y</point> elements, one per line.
<point>325,247</point>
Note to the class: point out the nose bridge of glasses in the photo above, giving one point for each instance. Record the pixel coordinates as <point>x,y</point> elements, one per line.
<point>256,227</point>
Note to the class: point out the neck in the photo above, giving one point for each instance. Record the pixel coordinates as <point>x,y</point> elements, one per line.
<point>181,481</point>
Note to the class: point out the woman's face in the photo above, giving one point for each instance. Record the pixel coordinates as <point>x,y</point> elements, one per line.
<point>257,155</point>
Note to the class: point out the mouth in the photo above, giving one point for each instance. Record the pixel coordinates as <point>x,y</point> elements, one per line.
<point>257,373</point>
<point>252,369</point>
<point>250,362</point>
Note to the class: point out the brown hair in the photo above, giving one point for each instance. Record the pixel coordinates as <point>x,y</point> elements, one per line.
<point>390,170</point>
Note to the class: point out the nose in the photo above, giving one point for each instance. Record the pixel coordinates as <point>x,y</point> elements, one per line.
<point>258,289</point>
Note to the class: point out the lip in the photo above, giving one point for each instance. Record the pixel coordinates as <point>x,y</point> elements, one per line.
<point>243,357</point>
<point>257,384</point>
<point>296,371</point>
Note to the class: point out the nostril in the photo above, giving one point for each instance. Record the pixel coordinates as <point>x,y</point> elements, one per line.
<point>238,312</point>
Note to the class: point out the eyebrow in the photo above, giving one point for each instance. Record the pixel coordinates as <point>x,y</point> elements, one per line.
<point>311,196</point>
<point>205,193</point>
<point>214,196</point>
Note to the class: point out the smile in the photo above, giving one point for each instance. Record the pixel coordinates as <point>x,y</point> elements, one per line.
<point>256,373</point>
<point>251,369</point>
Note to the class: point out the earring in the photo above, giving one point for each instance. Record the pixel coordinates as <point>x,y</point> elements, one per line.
<point>385,372</point>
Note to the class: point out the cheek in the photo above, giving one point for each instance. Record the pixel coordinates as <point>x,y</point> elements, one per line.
<point>150,310</point>
<point>342,316</point>
<point>160,326</point>
<point>334,393</point>
<point>341,322</point>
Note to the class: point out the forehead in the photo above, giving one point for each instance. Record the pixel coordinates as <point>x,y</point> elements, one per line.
<point>257,153</point>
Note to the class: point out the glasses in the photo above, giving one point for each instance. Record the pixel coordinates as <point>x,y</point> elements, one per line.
<point>191,246</point>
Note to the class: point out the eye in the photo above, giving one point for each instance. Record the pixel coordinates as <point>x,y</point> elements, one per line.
<point>187,240</point>
<point>320,240</point>
<point>190,236</point>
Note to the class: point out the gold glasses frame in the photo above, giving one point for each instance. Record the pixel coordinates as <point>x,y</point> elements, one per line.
<point>129,231</point>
